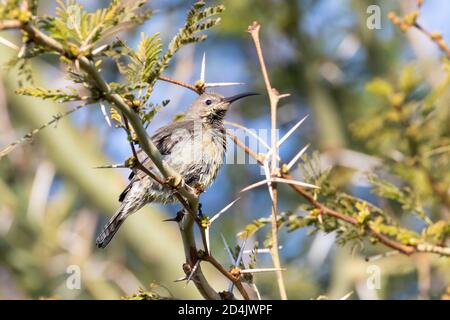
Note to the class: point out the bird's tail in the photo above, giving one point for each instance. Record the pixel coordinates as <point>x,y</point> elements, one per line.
<point>110,229</point>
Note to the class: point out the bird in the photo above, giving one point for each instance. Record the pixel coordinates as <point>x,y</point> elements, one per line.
<point>194,147</point>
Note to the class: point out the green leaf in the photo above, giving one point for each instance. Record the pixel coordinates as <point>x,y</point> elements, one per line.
<point>46,94</point>
<point>253,227</point>
<point>379,87</point>
<point>198,19</point>
<point>72,24</point>
<point>144,60</point>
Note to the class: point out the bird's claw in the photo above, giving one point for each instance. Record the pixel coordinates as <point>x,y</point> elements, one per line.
<point>200,211</point>
<point>177,218</point>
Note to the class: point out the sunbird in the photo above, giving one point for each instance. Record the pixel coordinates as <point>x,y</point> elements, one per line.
<point>195,147</point>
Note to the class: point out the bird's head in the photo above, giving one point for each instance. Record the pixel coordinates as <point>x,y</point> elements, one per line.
<point>213,106</point>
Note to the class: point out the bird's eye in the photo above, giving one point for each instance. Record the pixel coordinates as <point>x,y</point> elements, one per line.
<point>208,102</point>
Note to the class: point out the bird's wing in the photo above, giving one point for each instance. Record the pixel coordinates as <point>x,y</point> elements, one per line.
<point>165,139</point>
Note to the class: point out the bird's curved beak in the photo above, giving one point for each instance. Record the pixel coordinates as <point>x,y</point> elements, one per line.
<point>240,96</point>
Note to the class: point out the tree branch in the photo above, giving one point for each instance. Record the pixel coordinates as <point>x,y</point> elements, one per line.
<point>227,274</point>
<point>10,24</point>
<point>388,242</point>
<point>274,98</point>
<point>180,83</point>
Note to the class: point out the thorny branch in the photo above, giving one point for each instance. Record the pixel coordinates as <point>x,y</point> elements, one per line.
<point>186,195</point>
<point>181,84</point>
<point>324,210</point>
<point>410,20</point>
<point>274,98</point>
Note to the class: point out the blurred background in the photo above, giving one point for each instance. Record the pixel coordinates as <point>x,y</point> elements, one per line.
<point>53,202</point>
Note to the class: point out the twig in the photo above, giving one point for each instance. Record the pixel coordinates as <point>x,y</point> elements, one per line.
<point>190,248</point>
<point>250,132</point>
<point>436,37</point>
<point>411,21</point>
<point>180,83</point>
<point>439,150</point>
<point>200,85</point>
<point>137,162</point>
<point>244,147</point>
<point>228,275</point>
<point>10,24</point>
<point>32,133</point>
<point>423,247</point>
<point>274,98</point>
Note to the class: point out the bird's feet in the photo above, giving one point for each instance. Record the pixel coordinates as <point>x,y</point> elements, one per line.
<point>177,218</point>
<point>200,211</point>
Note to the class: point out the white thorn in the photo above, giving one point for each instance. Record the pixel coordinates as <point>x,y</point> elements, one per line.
<point>269,184</point>
<point>227,248</point>
<point>284,138</point>
<point>382,255</point>
<point>257,291</point>
<point>223,84</point>
<point>287,135</point>
<point>254,185</point>
<point>8,43</point>
<point>194,269</point>
<point>260,250</point>
<point>105,115</point>
<point>203,68</point>
<point>295,182</point>
<point>77,65</point>
<point>228,206</point>
<point>284,95</point>
<point>99,49</point>
<point>111,166</point>
<point>21,52</point>
<point>262,270</point>
<point>181,279</point>
<point>208,247</point>
<point>239,258</point>
<point>236,263</point>
<point>281,180</point>
<point>346,296</point>
<point>249,131</point>
<point>297,156</point>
